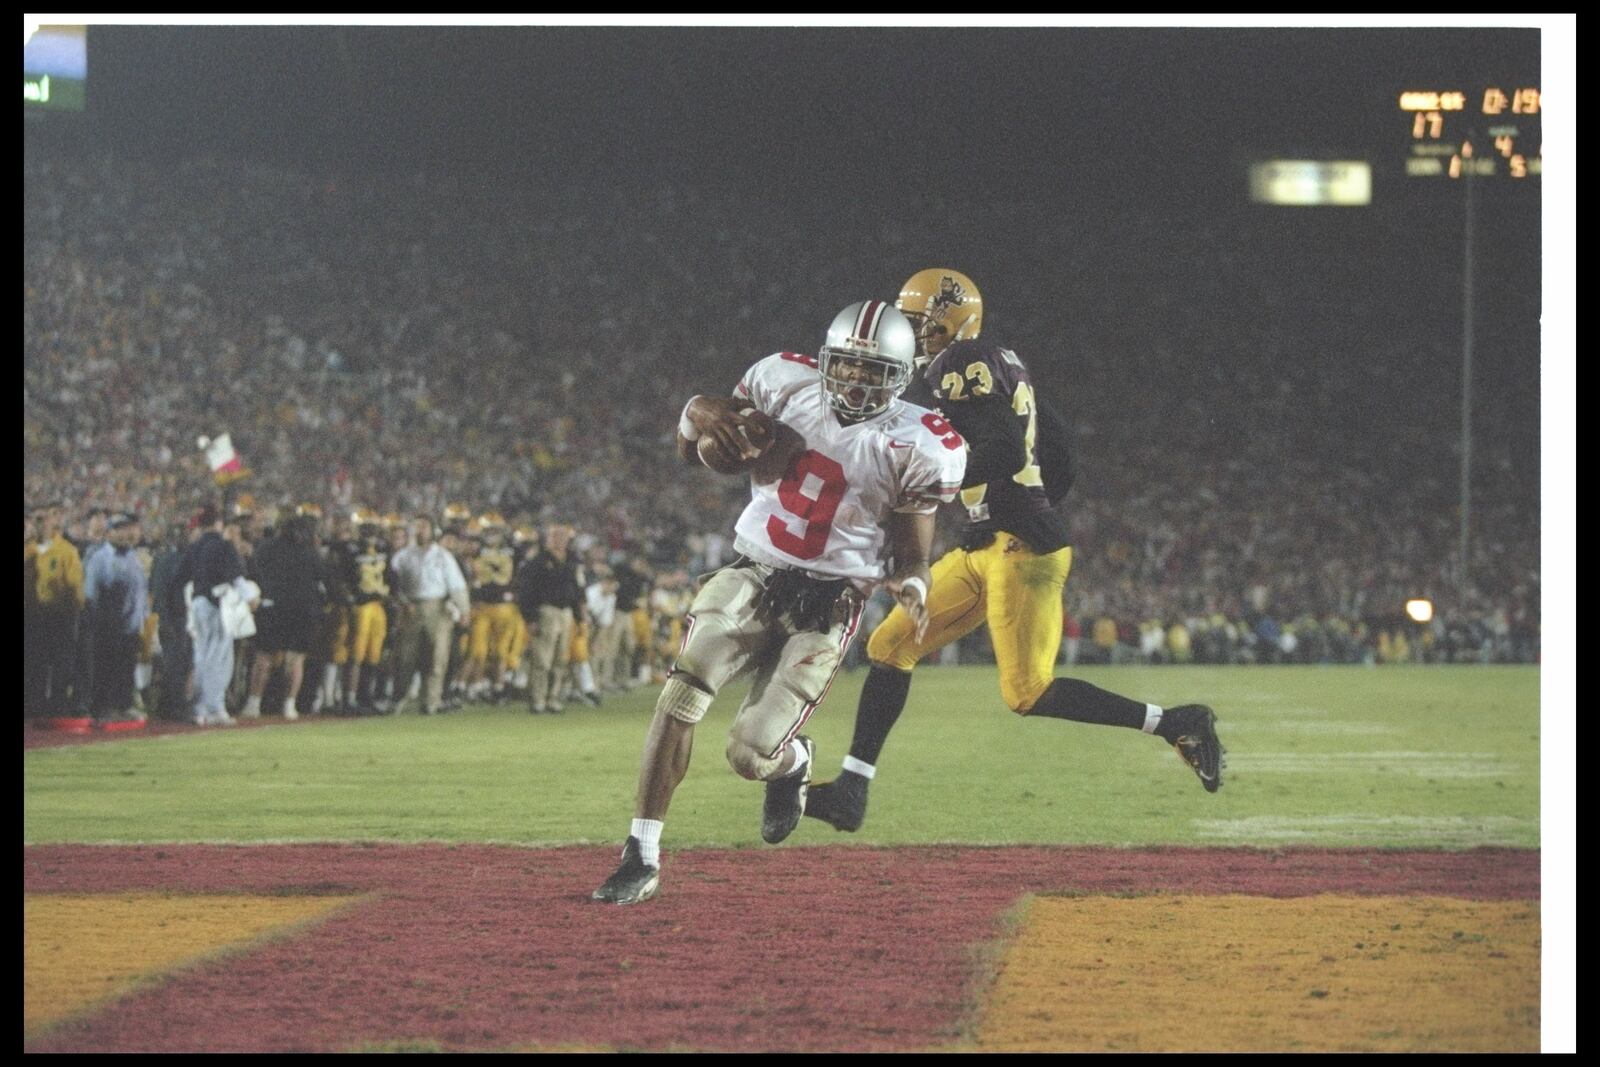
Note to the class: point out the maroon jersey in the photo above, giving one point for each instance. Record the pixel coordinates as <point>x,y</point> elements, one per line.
<point>985,391</point>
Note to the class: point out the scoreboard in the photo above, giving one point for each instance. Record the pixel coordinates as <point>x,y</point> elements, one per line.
<point>1488,131</point>
<point>55,67</point>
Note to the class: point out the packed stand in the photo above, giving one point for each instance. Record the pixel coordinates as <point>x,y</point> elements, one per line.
<point>402,344</point>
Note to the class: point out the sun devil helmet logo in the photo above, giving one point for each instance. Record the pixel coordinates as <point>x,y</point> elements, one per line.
<point>951,294</point>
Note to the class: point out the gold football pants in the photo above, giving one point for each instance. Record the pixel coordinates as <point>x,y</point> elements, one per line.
<point>1006,584</point>
<point>494,628</point>
<point>519,641</point>
<point>336,633</point>
<point>371,626</point>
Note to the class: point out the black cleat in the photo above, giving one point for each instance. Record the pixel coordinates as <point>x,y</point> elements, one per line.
<point>633,882</point>
<point>841,803</point>
<point>1191,730</point>
<point>786,800</point>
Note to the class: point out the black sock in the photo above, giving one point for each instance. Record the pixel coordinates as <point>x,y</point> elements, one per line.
<point>883,697</point>
<point>1068,698</point>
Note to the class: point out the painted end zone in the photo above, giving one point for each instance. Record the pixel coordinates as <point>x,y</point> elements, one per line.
<point>1246,974</point>
<point>81,949</point>
<point>480,947</point>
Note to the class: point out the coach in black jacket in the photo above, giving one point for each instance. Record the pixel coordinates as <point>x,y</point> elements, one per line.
<point>289,571</point>
<point>550,596</point>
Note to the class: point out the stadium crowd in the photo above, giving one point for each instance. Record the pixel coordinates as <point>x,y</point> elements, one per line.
<point>401,345</point>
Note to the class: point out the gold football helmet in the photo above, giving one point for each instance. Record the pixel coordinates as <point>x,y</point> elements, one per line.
<point>944,306</point>
<point>490,525</point>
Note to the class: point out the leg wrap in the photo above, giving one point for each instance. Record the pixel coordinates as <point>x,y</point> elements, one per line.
<point>683,701</point>
<point>749,763</point>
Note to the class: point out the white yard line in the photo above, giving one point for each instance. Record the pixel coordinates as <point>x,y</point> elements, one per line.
<point>1419,829</point>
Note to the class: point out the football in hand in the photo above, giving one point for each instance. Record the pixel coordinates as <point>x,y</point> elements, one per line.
<point>772,441</point>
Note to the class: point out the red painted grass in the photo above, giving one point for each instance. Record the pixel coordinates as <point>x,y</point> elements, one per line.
<point>475,947</point>
<point>37,735</point>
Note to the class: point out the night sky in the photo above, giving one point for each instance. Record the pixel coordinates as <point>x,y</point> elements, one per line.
<point>1157,115</point>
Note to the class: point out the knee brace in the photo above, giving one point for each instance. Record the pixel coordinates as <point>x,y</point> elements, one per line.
<point>683,701</point>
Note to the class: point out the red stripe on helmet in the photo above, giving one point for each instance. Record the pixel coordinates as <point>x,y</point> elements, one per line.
<point>867,321</point>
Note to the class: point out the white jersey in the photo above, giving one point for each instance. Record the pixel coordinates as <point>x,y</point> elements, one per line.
<point>827,514</point>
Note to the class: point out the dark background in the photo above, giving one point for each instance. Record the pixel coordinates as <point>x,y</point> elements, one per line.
<point>1151,115</point>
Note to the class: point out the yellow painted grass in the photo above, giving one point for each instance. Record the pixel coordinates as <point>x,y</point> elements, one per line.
<point>1242,973</point>
<point>78,950</point>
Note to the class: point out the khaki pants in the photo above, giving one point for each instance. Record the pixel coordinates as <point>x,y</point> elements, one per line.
<point>424,641</point>
<point>726,639</point>
<point>550,647</point>
<point>607,639</point>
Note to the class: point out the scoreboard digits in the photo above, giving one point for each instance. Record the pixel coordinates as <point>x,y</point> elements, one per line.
<point>1491,132</point>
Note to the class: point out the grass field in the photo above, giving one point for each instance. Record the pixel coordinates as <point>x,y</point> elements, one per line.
<point>1402,757</point>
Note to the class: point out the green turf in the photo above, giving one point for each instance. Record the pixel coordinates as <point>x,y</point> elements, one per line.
<point>1431,757</point>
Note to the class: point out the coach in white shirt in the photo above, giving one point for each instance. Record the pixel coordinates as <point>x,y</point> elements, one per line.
<point>433,597</point>
<point>607,624</point>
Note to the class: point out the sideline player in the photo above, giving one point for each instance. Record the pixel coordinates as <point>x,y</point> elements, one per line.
<point>368,577</point>
<point>811,542</point>
<point>494,611</point>
<point>1011,564</point>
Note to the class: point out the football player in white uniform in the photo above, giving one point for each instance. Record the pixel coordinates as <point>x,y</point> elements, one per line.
<point>850,486</point>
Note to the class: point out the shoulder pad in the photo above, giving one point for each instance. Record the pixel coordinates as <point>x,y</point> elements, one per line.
<point>766,383</point>
<point>976,368</point>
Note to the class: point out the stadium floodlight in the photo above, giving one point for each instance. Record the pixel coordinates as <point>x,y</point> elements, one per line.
<point>1420,610</point>
<point>1311,183</point>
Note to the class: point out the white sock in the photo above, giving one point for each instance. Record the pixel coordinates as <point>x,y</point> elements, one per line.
<point>141,676</point>
<point>252,706</point>
<point>289,711</point>
<point>855,766</point>
<point>1152,718</point>
<point>585,678</point>
<point>801,757</point>
<point>648,831</point>
<point>330,683</point>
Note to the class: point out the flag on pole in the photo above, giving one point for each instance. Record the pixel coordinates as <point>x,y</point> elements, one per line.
<point>226,467</point>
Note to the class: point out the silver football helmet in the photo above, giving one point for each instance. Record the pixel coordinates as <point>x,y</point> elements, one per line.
<point>867,360</point>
